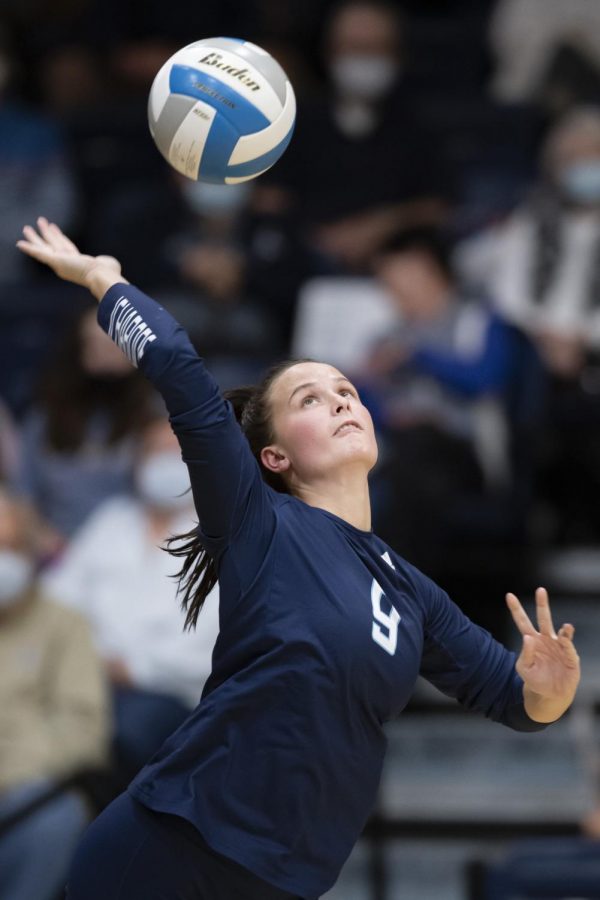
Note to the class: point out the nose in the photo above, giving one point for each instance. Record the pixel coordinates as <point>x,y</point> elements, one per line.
<point>342,404</point>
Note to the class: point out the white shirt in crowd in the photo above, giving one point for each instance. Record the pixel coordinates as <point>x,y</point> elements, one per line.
<point>525,35</point>
<point>113,574</point>
<point>502,259</point>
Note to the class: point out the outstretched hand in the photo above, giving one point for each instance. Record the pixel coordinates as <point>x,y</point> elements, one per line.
<point>548,662</point>
<point>50,246</point>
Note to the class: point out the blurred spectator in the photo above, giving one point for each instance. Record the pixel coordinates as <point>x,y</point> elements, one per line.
<point>77,446</point>
<point>359,166</point>
<point>542,267</point>
<point>547,52</point>
<point>53,720</point>
<point>128,594</point>
<point>207,263</point>
<point>441,385</point>
<point>34,170</point>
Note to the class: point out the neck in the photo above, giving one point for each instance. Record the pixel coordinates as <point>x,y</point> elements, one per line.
<point>347,497</point>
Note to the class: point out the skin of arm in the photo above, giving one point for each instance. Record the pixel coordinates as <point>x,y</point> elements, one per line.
<point>100,278</point>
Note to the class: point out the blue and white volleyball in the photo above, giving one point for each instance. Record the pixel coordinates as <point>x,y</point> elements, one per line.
<point>221,110</point>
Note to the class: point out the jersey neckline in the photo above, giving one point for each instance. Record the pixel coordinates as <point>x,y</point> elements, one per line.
<point>344,523</point>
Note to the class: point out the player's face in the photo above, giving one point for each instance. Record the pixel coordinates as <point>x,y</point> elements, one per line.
<point>320,425</point>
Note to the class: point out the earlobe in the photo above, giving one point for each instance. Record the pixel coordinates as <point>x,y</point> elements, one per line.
<point>273,460</point>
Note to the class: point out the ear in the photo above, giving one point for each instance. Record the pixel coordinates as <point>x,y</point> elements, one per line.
<point>274,460</point>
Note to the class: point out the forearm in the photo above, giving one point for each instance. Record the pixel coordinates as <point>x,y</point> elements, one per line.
<point>544,709</point>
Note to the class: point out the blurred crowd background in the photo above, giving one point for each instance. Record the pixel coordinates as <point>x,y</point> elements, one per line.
<point>433,230</point>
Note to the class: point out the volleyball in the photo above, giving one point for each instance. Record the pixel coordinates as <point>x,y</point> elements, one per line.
<point>221,110</point>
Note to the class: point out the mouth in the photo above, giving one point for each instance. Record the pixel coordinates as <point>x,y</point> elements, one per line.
<point>347,427</point>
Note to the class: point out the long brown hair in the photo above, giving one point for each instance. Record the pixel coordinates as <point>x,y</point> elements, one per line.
<point>251,405</point>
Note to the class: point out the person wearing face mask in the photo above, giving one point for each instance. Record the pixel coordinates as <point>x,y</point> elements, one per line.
<point>54,719</point>
<point>542,269</point>
<point>207,263</point>
<point>542,264</point>
<point>361,164</point>
<point>156,670</point>
<point>78,437</point>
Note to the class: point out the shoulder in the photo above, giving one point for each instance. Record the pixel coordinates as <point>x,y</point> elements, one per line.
<point>421,586</point>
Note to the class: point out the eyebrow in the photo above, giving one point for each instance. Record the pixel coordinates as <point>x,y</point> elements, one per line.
<point>312,384</point>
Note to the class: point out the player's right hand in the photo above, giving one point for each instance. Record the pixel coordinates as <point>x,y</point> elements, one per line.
<point>49,245</point>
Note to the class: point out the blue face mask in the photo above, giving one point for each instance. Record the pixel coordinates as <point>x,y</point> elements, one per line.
<point>581,181</point>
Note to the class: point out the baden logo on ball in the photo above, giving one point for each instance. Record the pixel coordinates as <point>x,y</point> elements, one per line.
<point>215,59</point>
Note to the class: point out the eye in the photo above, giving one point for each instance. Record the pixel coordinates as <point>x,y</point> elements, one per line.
<point>307,400</point>
<point>347,391</point>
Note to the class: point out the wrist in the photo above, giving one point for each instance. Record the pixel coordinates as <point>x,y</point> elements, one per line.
<point>544,709</point>
<point>100,276</point>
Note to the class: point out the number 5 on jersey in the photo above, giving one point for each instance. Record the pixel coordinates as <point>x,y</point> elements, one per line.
<point>385,626</point>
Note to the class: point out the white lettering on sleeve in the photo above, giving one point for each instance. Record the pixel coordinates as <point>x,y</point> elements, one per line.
<point>129,331</point>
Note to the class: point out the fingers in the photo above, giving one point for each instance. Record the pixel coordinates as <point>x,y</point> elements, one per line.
<point>567,631</point>
<point>520,617</point>
<point>544,616</point>
<point>32,236</point>
<point>55,237</point>
<point>48,237</point>
<point>38,251</point>
<point>528,651</point>
<point>565,639</point>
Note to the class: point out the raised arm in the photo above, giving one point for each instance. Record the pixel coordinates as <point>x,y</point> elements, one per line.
<point>226,482</point>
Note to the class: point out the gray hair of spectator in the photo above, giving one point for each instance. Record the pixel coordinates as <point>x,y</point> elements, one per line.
<point>394,14</point>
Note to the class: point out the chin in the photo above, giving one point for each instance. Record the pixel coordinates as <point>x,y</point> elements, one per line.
<point>359,453</point>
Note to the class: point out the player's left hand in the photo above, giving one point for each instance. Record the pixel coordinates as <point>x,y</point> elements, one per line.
<point>548,662</point>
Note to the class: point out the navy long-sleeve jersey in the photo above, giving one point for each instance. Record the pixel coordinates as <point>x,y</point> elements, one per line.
<point>324,630</point>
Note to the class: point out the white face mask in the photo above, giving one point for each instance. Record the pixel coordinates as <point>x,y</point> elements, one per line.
<point>163,481</point>
<point>363,77</point>
<point>581,181</point>
<point>16,574</point>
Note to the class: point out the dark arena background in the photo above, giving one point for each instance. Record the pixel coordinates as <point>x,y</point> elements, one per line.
<point>433,230</point>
